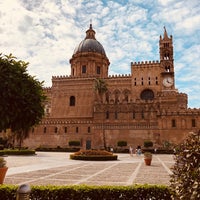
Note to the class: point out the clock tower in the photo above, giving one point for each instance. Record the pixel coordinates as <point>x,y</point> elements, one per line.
<point>167,61</point>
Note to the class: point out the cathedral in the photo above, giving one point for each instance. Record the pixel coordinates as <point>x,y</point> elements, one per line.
<point>99,110</point>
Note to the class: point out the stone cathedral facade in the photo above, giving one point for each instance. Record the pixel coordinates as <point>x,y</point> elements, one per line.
<point>143,105</point>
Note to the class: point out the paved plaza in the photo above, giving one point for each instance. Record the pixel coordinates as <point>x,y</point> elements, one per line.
<point>57,169</point>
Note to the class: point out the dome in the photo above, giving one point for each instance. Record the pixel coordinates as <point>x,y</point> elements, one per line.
<point>90,44</point>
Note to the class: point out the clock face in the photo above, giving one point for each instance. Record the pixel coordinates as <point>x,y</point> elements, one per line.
<point>168,81</point>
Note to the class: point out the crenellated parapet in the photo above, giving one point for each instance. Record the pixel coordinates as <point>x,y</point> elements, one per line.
<point>180,112</point>
<point>145,63</point>
<point>47,89</point>
<point>54,78</point>
<point>125,77</point>
<point>195,111</point>
<point>171,93</point>
<point>55,121</point>
<point>119,75</point>
<point>62,77</point>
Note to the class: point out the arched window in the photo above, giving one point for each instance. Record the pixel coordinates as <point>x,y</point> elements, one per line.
<point>133,115</point>
<point>116,115</point>
<point>56,130</point>
<point>107,97</point>
<point>107,115</point>
<point>126,94</point>
<point>147,95</point>
<point>167,68</point>
<point>193,123</point>
<point>173,123</point>
<point>117,94</point>
<point>98,70</point>
<point>142,114</point>
<point>72,101</point>
<point>83,69</point>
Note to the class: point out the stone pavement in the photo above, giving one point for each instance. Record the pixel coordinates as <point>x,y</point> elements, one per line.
<point>57,169</point>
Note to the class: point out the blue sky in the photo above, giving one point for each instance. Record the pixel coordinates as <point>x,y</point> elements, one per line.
<point>46,32</point>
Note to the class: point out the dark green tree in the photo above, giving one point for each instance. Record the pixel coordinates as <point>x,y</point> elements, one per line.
<point>185,180</point>
<point>21,97</point>
<point>100,87</point>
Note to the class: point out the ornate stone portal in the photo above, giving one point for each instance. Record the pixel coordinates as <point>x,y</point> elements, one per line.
<point>143,105</point>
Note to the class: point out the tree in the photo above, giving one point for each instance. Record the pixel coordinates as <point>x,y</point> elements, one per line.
<point>186,171</point>
<point>100,87</point>
<point>21,97</point>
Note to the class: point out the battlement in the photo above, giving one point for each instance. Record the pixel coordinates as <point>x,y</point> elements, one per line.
<point>47,89</point>
<point>193,110</point>
<point>49,121</point>
<point>119,76</point>
<point>62,77</point>
<point>89,77</point>
<point>69,77</point>
<point>145,63</point>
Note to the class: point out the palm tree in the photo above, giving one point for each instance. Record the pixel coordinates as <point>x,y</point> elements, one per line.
<point>101,88</point>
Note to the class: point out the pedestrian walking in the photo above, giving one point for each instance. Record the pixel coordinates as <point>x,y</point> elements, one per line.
<point>131,151</point>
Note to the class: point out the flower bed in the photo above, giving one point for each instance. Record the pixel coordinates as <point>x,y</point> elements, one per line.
<point>93,155</point>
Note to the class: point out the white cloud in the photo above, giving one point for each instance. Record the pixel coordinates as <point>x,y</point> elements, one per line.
<point>45,33</point>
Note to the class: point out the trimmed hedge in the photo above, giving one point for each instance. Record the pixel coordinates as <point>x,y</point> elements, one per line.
<point>58,149</point>
<point>74,143</point>
<point>122,143</point>
<point>148,143</point>
<point>83,192</point>
<point>8,192</point>
<point>16,152</point>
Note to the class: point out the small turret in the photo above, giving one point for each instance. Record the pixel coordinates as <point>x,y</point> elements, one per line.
<point>90,33</point>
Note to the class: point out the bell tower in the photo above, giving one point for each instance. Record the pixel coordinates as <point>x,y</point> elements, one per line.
<point>167,60</point>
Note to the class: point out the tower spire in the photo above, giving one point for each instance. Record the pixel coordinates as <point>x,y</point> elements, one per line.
<point>165,34</point>
<point>90,23</point>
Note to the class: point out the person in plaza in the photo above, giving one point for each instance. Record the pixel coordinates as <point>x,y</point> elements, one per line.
<point>138,150</point>
<point>111,149</point>
<point>131,150</point>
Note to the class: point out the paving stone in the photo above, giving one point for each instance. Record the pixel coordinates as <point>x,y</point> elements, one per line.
<point>57,169</point>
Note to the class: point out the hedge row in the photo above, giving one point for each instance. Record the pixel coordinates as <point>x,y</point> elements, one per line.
<point>93,157</point>
<point>58,149</point>
<point>83,192</point>
<point>16,152</point>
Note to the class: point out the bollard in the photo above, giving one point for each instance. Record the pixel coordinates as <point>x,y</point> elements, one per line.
<point>23,192</point>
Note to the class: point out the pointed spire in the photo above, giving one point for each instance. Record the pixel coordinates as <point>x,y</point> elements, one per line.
<point>90,33</point>
<point>90,23</point>
<point>165,34</point>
